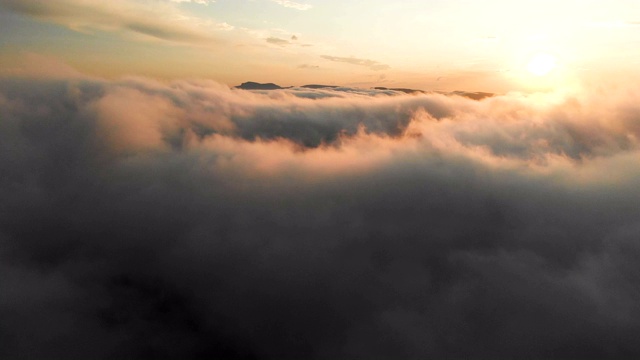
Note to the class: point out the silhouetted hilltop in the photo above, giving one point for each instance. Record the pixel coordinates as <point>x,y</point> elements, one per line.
<point>473,95</point>
<point>317,86</point>
<point>404,90</point>
<point>250,85</point>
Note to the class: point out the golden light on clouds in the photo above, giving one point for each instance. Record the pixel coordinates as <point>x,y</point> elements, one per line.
<point>267,179</point>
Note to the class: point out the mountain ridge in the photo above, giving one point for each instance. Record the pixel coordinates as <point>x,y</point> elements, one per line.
<point>475,95</point>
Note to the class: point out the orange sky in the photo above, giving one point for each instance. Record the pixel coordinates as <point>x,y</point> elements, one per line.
<point>430,44</point>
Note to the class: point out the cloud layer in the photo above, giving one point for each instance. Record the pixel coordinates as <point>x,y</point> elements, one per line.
<point>189,220</point>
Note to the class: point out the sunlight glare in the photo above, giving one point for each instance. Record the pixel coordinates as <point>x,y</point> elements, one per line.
<point>542,64</point>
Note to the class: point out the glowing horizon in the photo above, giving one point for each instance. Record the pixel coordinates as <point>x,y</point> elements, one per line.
<point>429,45</point>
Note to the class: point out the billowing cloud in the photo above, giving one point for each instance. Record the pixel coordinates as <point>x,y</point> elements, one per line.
<point>373,65</point>
<point>160,21</point>
<point>293,4</point>
<point>190,220</point>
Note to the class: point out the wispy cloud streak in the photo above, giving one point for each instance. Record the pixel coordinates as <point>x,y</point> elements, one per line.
<point>373,65</point>
<point>160,21</point>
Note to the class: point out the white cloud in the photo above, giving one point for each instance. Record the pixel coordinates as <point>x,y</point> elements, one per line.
<point>293,4</point>
<point>224,26</point>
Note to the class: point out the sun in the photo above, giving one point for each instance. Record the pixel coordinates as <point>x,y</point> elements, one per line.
<point>542,64</point>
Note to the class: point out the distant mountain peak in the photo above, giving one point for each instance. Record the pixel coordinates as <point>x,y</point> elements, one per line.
<point>404,90</point>
<point>250,85</point>
<point>478,95</point>
<point>318,86</point>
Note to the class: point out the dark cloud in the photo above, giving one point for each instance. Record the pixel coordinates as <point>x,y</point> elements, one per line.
<point>278,41</point>
<point>137,17</point>
<point>373,65</point>
<point>308,66</point>
<point>188,220</point>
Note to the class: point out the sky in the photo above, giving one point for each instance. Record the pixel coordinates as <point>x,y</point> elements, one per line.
<point>149,209</point>
<point>429,44</point>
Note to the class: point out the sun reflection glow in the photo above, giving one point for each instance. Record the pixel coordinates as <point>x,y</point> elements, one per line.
<point>542,64</point>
